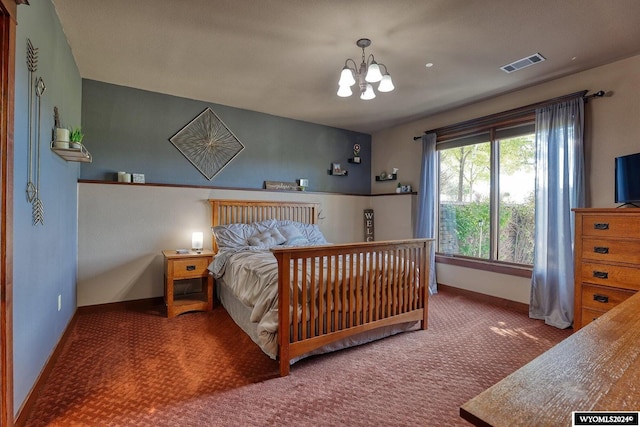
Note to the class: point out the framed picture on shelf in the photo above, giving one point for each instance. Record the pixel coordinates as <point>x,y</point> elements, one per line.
<point>336,169</point>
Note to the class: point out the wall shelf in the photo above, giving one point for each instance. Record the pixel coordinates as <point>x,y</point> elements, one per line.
<point>73,154</point>
<point>355,160</point>
<point>391,177</point>
<point>342,173</point>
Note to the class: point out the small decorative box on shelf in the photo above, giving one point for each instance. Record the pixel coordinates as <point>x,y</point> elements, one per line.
<point>73,154</point>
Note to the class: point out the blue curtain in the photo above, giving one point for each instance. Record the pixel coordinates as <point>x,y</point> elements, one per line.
<point>427,196</point>
<point>559,188</point>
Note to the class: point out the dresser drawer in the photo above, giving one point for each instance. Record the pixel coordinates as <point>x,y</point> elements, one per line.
<point>626,251</point>
<point>589,315</point>
<point>602,298</point>
<point>610,226</point>
<point>190,267</point>
<point>611,275</point>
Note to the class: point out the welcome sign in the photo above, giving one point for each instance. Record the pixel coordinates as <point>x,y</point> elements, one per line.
<point>368,225</point>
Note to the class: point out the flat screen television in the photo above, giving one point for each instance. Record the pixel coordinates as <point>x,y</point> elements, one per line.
<point>628,179</point>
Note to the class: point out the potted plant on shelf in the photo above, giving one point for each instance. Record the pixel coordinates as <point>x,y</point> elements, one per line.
<point>75,138</point>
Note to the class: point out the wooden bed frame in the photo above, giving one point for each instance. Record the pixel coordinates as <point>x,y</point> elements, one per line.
<point>392,291</point>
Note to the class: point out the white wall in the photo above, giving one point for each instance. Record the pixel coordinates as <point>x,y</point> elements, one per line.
<point>613,129</point>
<point>123,229</point>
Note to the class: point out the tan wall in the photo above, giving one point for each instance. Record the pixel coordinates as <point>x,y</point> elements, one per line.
<point>613,129</point>
<point>393,219</point>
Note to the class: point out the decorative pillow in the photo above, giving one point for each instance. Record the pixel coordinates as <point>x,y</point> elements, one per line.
<point>293,235</point>
<point>267,239</point>
<point>310,231</point>
<point>236,235</point>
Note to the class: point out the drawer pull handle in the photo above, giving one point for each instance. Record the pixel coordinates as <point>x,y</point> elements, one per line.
<point>600,274</point>
<point>601,225</point>
<point>191,267</point>
<point>601,250</point>
<point>601,298</point>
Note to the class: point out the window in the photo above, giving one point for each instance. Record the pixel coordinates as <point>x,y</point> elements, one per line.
<point>486,195</point>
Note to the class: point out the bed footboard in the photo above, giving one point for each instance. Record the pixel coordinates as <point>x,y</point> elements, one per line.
<point>327,293</point>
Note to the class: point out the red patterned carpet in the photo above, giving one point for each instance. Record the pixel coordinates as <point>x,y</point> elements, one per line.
<point>127,367</point>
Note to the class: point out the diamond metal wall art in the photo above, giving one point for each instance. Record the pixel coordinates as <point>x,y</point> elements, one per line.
<point>207,143</point>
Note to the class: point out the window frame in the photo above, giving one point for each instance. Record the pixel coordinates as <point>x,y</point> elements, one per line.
<point>513,117</point>
<point>526,124</point>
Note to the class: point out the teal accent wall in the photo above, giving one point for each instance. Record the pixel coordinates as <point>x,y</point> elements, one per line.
<point>129,129</point>
<point>44,256</point>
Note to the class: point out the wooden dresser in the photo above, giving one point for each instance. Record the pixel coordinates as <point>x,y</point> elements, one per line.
<point>607,260</point>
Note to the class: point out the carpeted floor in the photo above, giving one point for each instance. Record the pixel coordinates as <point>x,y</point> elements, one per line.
<point>128,367</point>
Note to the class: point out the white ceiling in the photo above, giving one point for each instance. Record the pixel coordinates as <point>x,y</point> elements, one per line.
<point>284,57</point>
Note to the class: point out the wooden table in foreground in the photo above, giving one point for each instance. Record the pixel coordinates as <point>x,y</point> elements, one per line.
<point>595,369</point>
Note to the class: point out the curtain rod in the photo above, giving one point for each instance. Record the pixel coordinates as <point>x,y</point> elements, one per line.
<point>530,107</point>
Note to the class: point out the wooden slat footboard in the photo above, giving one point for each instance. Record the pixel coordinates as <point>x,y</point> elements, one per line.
<point>327,293</point>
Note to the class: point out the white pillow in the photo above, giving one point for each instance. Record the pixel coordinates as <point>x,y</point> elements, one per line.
<point>236,235</point>
<point>310,231</point>
<point>293,235</point>
<point>267,239</point>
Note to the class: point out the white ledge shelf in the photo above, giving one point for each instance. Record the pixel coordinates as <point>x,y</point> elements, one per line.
<point>73,154</point>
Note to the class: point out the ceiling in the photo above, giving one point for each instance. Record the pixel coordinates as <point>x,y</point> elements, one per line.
<point>284,57</point>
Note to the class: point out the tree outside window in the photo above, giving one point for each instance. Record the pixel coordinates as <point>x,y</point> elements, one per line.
<point>470,224</point>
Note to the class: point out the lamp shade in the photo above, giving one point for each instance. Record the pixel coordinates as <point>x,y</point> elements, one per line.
<point>386,85</point>
<point>344,91</point>
<point>197,239</point>
<point>346,77</point>
<point>373,73</point>
<point>368,93</point>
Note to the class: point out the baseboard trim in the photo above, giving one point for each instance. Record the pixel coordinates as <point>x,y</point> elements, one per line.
<point>121,305</point>
<point>27,405</point>
<point>490,299</point>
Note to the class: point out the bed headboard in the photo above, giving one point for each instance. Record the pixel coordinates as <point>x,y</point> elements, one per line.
<point>225,212</point>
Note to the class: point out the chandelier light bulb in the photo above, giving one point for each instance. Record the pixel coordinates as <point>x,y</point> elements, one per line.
<point>344,91</point>
<point>386,84</point>
<point>373,74</point>
<point>346,77</point>
<point>368,93</point>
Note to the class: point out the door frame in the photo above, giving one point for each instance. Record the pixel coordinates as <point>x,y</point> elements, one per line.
<point>8,11</point>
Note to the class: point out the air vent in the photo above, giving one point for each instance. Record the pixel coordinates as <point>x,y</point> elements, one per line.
<point>522,63</point>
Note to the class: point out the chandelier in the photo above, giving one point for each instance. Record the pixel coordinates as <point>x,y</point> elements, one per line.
<point>368,72</point>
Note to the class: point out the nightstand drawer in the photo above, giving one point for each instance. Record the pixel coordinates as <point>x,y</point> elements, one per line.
<point>190,267</point>
<point>611,275</point>
<point>603,298</point>
<point>626,251</point>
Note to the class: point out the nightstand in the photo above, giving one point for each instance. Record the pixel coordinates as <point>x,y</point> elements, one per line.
<point>191,265</point>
